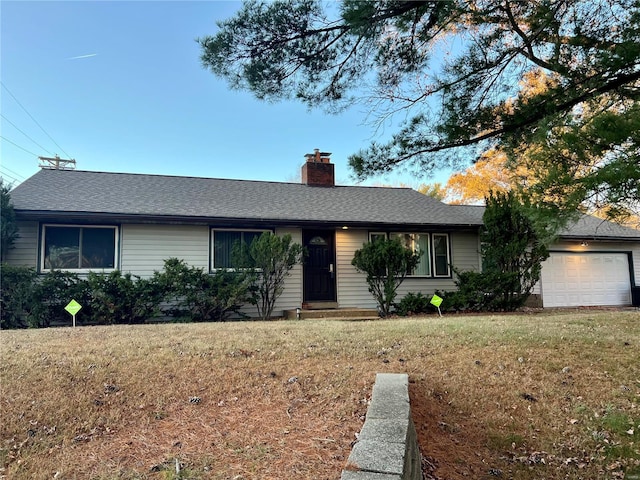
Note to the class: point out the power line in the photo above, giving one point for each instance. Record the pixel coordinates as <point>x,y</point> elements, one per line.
<point>10,177</point>
<point>21,148</point>
<point>31,116</point>
<point>14,126</point>
<point>12,172</point>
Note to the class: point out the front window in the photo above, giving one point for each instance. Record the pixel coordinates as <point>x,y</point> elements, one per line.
<point>441,255</point>
<point>225,245</point>
<point>419,243</point>
<point>435,260</point>
<point>68,247</point>
<point>375,236</point>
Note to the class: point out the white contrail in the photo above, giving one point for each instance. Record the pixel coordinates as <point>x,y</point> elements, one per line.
<point>82,56</point>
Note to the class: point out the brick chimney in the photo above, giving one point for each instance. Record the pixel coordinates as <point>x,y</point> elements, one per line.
<point>318,171</point>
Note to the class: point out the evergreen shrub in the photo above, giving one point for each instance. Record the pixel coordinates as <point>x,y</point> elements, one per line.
<point>413,304</point>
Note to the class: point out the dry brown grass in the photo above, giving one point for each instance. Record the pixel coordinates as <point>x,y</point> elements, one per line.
<point>491,396</point>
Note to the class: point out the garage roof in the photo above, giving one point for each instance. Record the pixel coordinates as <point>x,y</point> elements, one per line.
<point>585,227</point>
<point>588,226</point>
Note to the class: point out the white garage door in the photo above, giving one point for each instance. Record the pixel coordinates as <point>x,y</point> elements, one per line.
<point>586,279</point>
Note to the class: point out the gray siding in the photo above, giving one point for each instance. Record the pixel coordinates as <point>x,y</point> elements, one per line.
<point>145,247</point>
<point>465,250</point>
<point>25,251</point>
<point>464,256</point>
<point>352,287</point>
<point>291,298</point>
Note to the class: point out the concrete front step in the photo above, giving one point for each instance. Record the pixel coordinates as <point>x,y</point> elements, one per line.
<point>334,313</point>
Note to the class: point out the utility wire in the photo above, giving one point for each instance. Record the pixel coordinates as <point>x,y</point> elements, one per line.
<point>21,148</point>
<point>36,122</point>
<point>12,172</point>
<point>14,126</point>
<point>13,179</point>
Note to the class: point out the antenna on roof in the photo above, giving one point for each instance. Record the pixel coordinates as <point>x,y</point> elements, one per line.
<point>57,163</point>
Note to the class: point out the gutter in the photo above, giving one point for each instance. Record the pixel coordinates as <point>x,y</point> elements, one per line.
<point>599,238</point>
<point>92,217</point>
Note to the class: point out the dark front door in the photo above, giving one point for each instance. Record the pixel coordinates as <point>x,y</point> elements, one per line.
<point>319,266</point>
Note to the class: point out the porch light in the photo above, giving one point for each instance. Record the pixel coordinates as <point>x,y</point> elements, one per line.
<point>345,227</point>
<point>584,243</point>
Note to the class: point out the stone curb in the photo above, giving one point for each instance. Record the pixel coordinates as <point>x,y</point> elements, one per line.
<point>387,448</point>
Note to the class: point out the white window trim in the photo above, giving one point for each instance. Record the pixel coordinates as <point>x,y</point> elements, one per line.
<point>428,235</point>
<point>433,254</point>
<point>383,234</point>
<point>212,267</point>
<point>432,258</point>
<point>116,253</point>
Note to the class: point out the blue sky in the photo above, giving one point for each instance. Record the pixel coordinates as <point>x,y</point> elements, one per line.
<point>118,86</point>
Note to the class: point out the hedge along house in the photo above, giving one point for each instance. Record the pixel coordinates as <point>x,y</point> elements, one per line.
<point>81,221</point>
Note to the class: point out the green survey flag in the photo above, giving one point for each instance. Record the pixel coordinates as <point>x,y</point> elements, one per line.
<point>73,307</point>
<point>436,301</point>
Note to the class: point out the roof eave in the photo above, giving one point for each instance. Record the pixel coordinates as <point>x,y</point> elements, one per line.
<point>599,238</point>
<point>101,217</point>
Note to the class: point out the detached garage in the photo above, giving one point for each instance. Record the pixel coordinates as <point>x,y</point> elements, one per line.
<point>586,279</point>
<point>593,263</point>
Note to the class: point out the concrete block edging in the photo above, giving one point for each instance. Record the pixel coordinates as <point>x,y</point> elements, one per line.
<point>387,447</point>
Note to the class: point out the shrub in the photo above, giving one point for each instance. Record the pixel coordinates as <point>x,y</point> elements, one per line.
<point>32,300</point>
<point>29,299</point>
<point>412,304</point>
<point>268,260</point>
<point>8,224</point>
<point>473,294</point>
<point>512,249</point>
<point>16,295</point>
<point>52,292</point>
<point>123,298</point>
<point>481,292</point>
<point>192,293</point>
<point>386,263</point>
